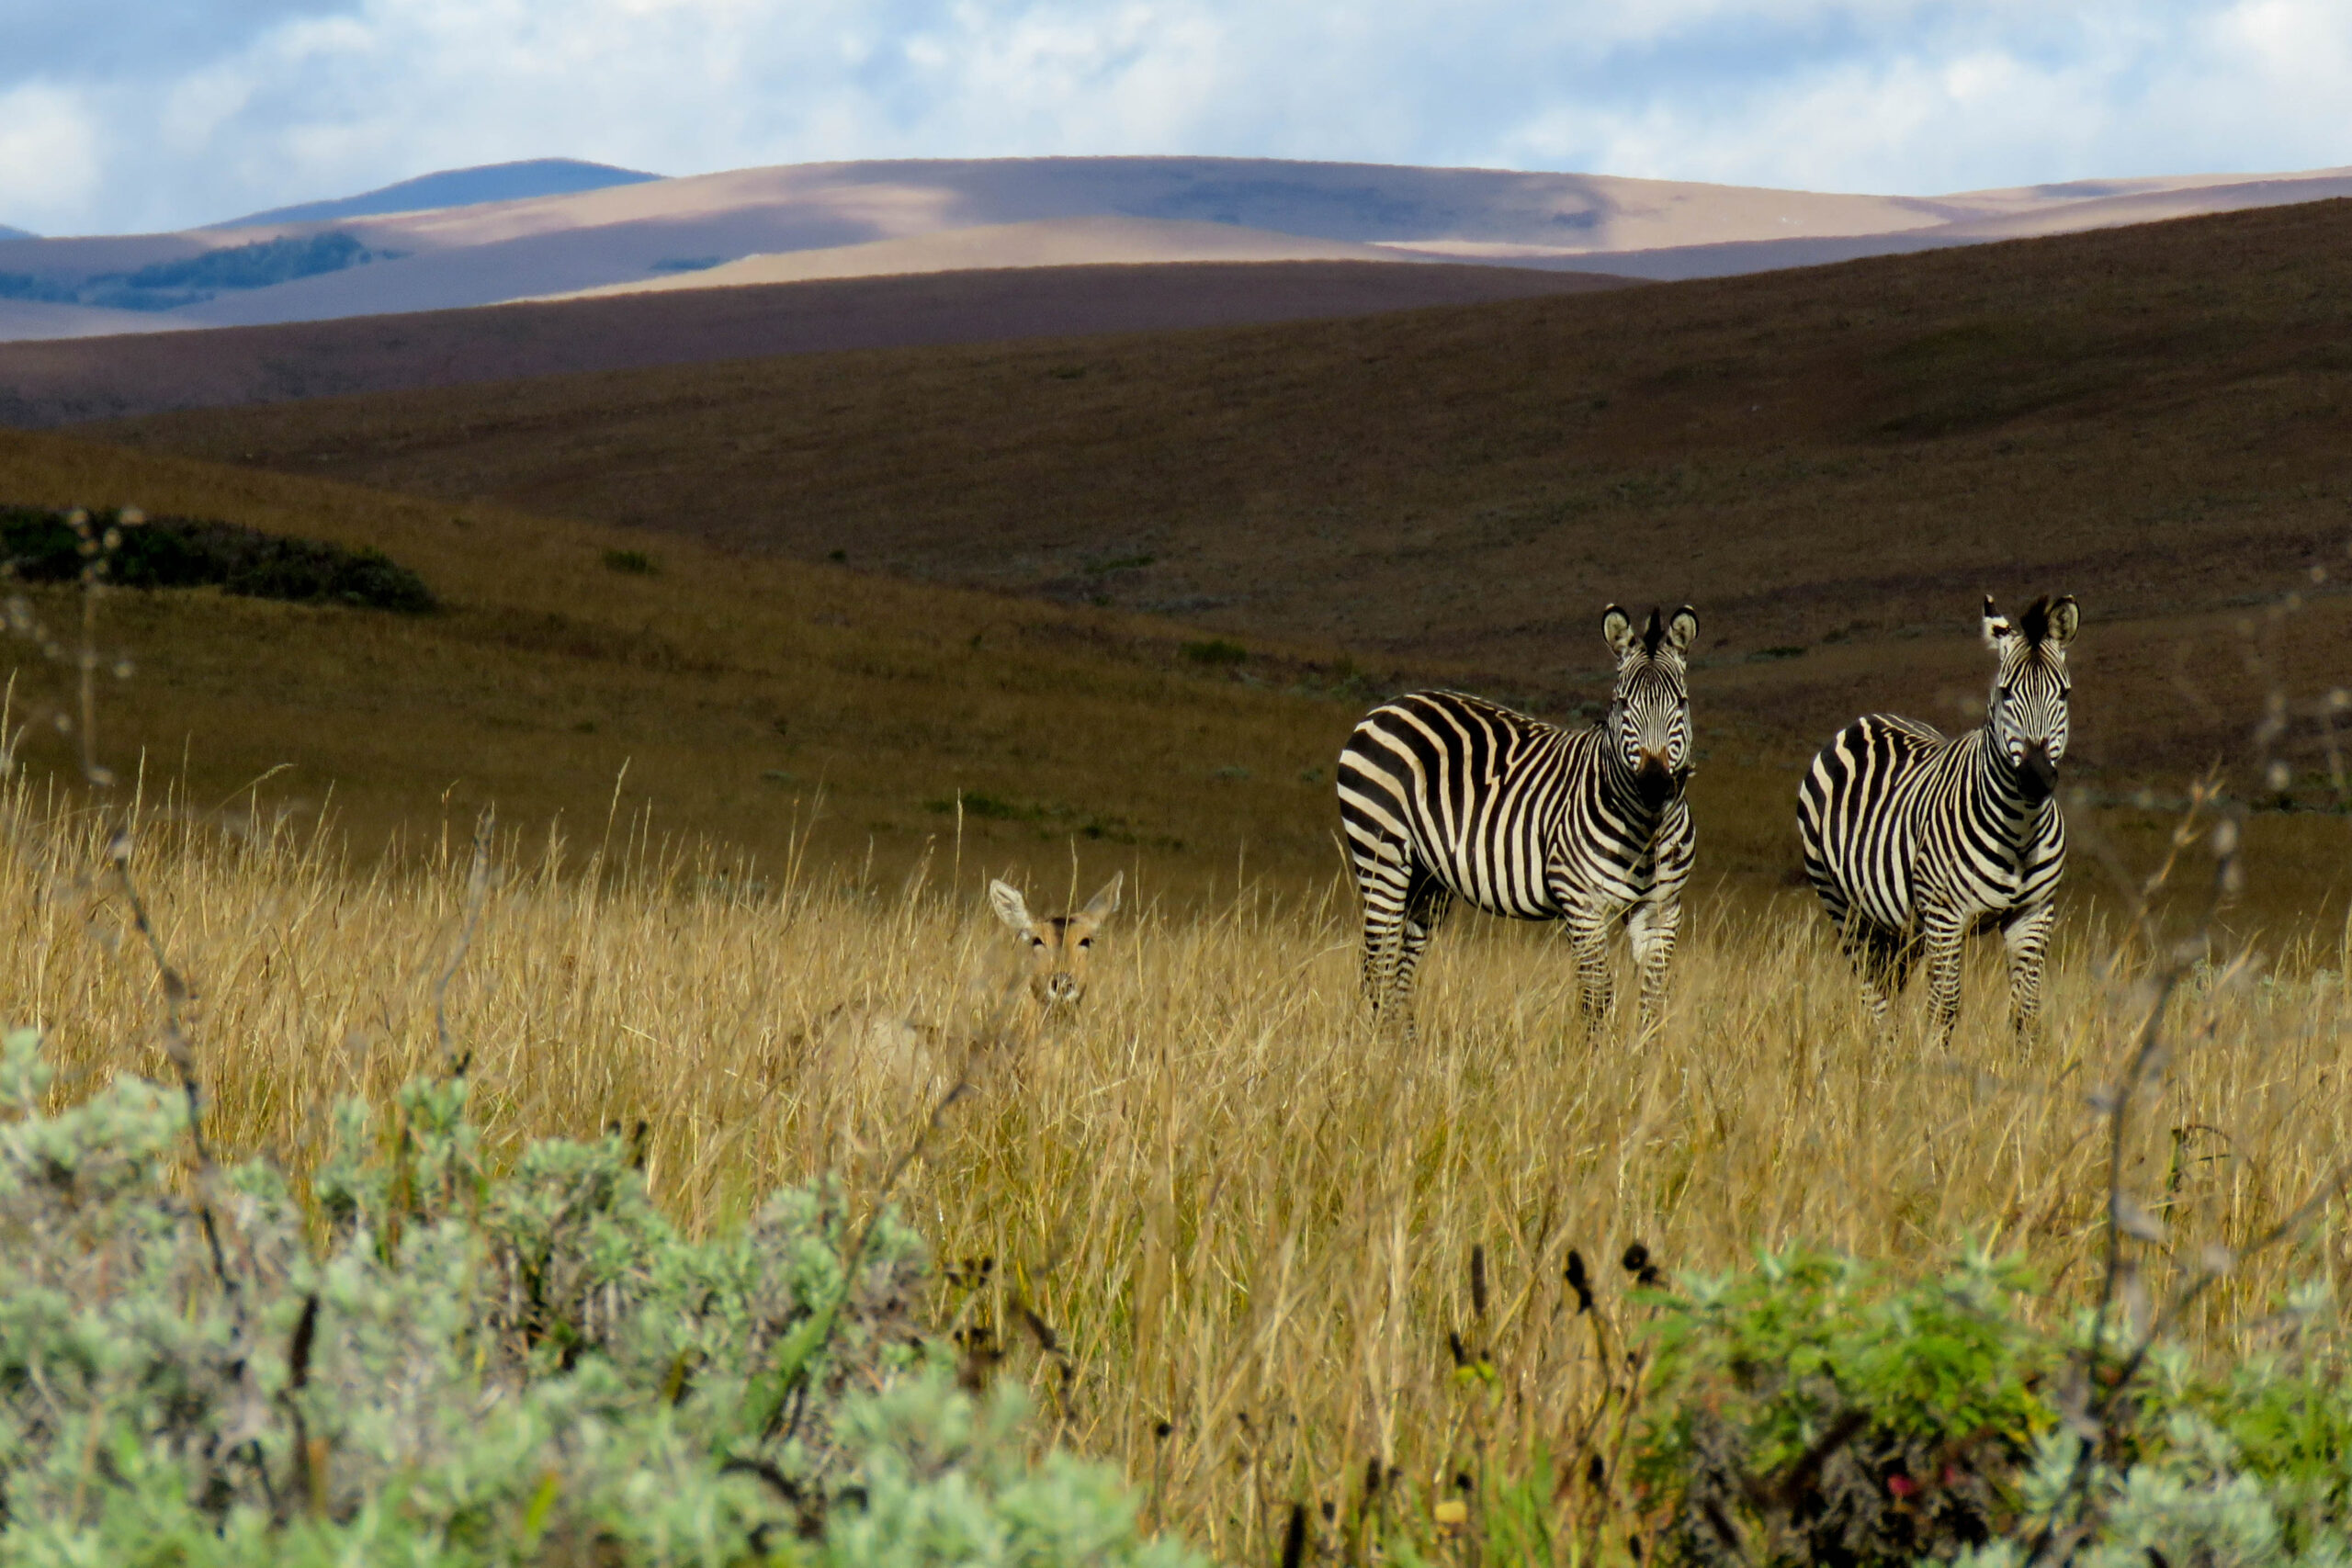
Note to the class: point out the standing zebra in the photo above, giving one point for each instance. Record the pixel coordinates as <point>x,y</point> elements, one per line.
<point>1443,795</point>
<point>1913,840</point>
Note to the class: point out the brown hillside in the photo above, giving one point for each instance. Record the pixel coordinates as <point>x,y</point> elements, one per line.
<point>758,706</point>
<point>785,709</point>
<point>1832,464</point>
<point>56,382</point>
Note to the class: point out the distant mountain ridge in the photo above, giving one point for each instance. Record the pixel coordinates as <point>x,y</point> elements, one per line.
<point>455,187</point>
<point>577,226</point>
<point>9,234</point>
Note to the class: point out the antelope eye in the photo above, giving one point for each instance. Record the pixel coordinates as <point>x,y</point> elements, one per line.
<point>1086,941</point>
<point>1036,942</point>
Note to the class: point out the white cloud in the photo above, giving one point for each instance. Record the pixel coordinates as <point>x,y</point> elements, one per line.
<point>49,156</point>
<point>2108,91</point>
<point>320,98</point>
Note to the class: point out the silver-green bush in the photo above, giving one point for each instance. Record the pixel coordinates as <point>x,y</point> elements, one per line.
<point>432,1363</point>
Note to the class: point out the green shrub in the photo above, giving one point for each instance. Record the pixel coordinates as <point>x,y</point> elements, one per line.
<point>630,563</point>
<point>1813,1409</point>
<point>180,552</point>
<point>439,1363</point>
<point>1815,1405</point>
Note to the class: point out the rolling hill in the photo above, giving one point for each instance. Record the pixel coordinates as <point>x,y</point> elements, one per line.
<point>1832,464</point>
<point>455,187</point>
<point>587,687</point>
<point>51,383</point>
<point>655,230</point>
<point>1045,243</point>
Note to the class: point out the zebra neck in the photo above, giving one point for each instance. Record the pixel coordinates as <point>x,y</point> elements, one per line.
<point>1998,787</point>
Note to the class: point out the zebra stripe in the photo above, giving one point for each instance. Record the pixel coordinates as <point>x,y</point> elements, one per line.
<point>1443,796</point>
<point>1914,839</point>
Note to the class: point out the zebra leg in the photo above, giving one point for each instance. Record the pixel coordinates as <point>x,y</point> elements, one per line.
<point>1651,928</point>
<point>2026,933</point>
<point>1383,878</point>
<point>1944,930</point>
<point>1588,930</point>
<point>1425,910</point>
<point>1883,958</point>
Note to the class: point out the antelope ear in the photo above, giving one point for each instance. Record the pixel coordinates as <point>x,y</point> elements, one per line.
<point>2065,620</point>
<point>1683,630</point>
<point>1617,627</point>
<point>1996,626</point>
<point>1010,907</point>
<point>1105,904</point>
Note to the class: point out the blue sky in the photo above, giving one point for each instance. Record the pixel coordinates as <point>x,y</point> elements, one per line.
<point>120,115</point>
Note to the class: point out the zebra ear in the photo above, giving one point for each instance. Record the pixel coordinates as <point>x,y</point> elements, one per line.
<point>1996,626</point>
<point>1617,627</point>
<point>1683,630</point>
<point>2065,619</point>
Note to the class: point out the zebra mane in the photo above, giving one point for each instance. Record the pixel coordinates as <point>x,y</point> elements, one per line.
<point>1653,633</point>
<point>2035,623</point>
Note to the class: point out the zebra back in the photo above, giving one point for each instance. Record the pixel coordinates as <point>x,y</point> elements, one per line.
<point>1517,815</point>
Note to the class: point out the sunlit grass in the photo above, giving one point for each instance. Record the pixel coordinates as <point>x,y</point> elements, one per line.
<point>1244,1216</point>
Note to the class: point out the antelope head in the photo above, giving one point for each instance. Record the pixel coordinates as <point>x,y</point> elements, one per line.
<point>1055,950</point>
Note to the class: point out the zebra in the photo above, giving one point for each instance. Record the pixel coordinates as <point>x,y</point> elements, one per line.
<point>1444,796</point>
<point>1914,839</point>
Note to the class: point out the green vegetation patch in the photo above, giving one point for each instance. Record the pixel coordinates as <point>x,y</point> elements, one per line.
<point>419,1359</point>
<point>26,285</point>
<point>259,264</point>
<point>978,803</point>
<point>188,280</point>
<point>1215,651</point>
<point>41,546</point>
<point>1817,1409</point>
<point>1050,820</point>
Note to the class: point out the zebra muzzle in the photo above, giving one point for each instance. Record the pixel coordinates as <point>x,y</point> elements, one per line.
<point>1655,780</point>
<point>2038,772</point>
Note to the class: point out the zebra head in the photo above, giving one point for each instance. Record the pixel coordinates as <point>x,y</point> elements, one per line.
<point>1649,712</point>
<point>2026,716</point>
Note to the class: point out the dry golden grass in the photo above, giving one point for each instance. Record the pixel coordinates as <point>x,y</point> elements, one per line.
<point>1246,1217</point>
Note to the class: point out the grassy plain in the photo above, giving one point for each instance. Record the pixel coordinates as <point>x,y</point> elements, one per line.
<point>1246,1220</point>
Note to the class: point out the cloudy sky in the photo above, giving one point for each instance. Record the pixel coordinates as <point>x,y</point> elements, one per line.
<point>119,114</point>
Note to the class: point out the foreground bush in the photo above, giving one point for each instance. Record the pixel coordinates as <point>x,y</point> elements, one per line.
<point>1816,1410</point>
<point>440,1364</point>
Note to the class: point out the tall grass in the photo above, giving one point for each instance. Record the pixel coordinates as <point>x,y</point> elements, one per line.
<point>1227,1225</point>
